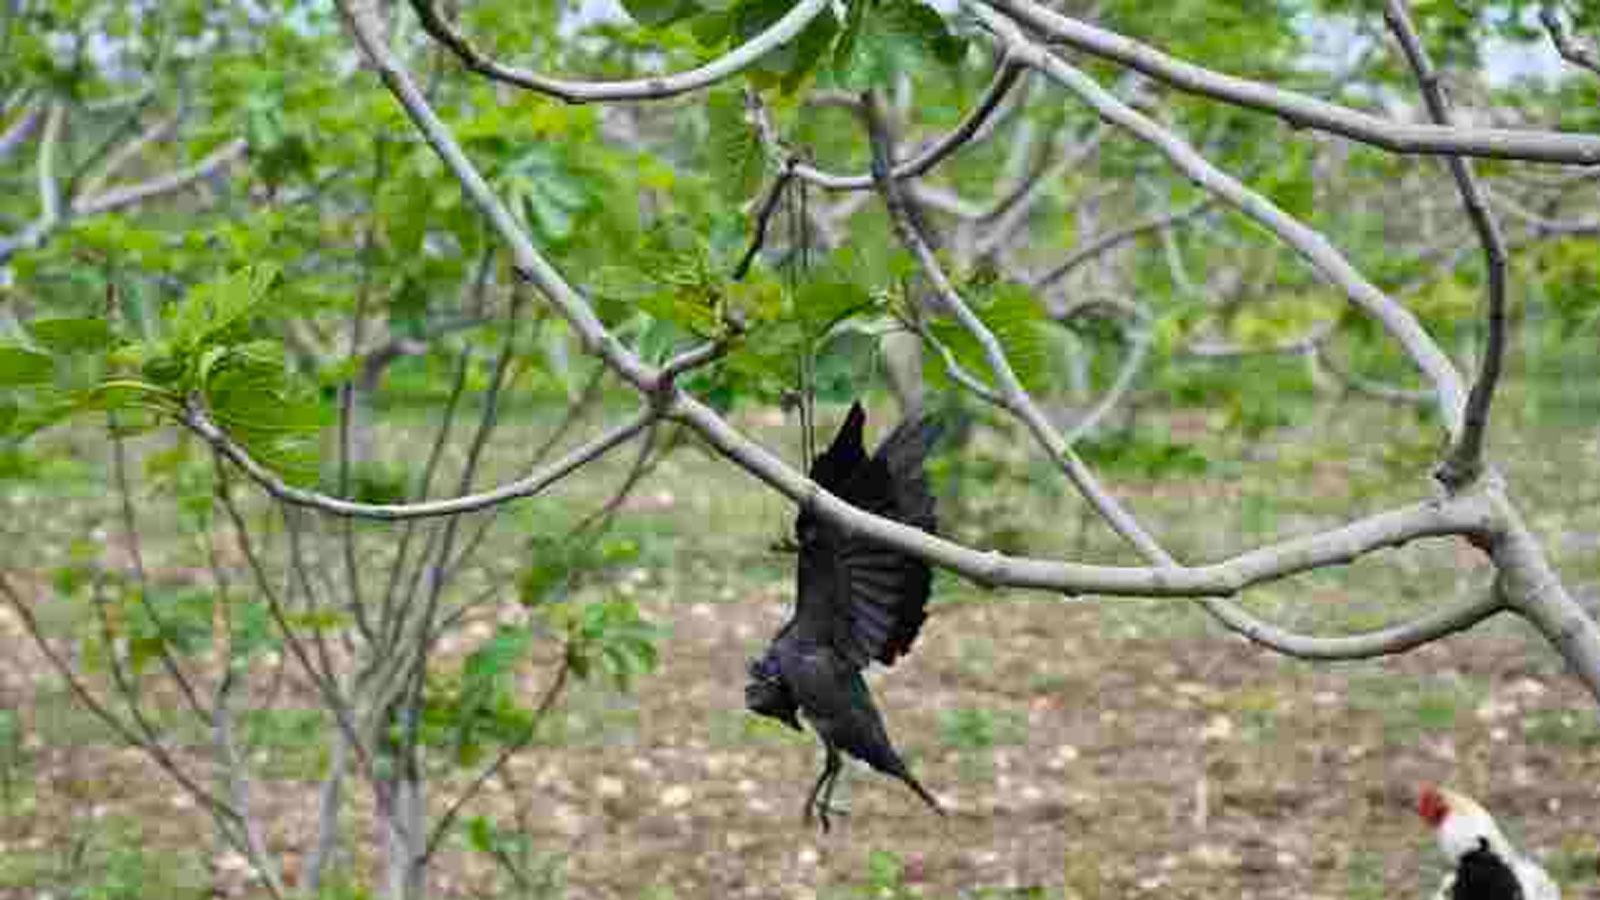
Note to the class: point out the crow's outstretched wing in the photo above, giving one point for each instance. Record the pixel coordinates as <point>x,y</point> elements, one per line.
<point>863,599</point>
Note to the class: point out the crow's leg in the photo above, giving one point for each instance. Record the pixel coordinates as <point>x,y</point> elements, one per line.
<point>817,799</point>
<point>825,802</point>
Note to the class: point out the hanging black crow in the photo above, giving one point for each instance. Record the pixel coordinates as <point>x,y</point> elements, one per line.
<point>856,601</point>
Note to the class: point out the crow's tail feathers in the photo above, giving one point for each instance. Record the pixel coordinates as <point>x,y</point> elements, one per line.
<point>933,802</point>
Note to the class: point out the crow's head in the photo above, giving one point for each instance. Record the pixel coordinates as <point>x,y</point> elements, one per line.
<point>767,694</point>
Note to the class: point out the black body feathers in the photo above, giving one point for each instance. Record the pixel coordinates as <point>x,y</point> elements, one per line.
<point>856,601</point>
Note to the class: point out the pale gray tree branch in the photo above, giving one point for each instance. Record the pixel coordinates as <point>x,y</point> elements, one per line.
<point>1301,110</point>
<point>123,196</point>
<point>1005,218</point>
<point>122,153</point>
<point>655,87</point>
<point>1139,341</point>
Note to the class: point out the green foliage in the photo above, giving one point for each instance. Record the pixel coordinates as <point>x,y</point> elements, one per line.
<point>66,336</point>
<point>530,874</point>
<point>887,878</point>
<point>885,38</point>
<point>1145,453</point>
<point>609,639</point>
<point>546,192</point>
<point>20,366</point>
<point>971,729</point>
<point>733,148</point>
<point>1017,320</point>
<point>485,703</point>
<point>277,419</point>
<point>175,619</point>
<point>558,566</point>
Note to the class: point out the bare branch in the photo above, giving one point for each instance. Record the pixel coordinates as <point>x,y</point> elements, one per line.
<point>1139,341</point>
<point>239,790</point>
<point>1114,239</point>
<point>1468,513</point>
<point>769,205</point>
<point>964,134</point>
<point>155,751</point>
<point>121,197</point>
<point>1301,110</point>
<point>533,483</point>
<point>656,87</point>
<point>1465,460</point>
<point>1570,50</point>
<point>125,152</point>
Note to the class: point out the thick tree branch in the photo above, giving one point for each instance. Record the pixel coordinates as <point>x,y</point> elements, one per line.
<point>1301,110</point>
<point>1462,514</point>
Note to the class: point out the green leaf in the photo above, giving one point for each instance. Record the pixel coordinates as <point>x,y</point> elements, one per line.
<point>251,396</point>
<point>820,305</point>
<point>481,834</point>
<point>20,366</point>
<point>497,656</point>
<point>1017,321</point>
<point>894,36</point>
<point>734,148</point>
<point>120,394</point>
<point>213,309</point>
<point>72,335</point>
<point>656,13</point>
<point>694,313</point>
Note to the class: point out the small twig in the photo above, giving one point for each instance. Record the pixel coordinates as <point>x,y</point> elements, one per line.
<point>197,420</point>
<point>657,87</point>
<point>967,132</point>
<point>130,528</point>
<point>504,756</point>
<point>1465,461</point>
<point>1570,50</point>
<point>126,733</point>
<point>1113,239</point>
<point>769,205</point>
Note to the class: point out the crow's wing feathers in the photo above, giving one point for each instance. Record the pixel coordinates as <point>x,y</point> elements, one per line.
<point>867,599</point>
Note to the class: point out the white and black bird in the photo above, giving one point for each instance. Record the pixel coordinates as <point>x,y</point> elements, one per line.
<point>1485,865</point>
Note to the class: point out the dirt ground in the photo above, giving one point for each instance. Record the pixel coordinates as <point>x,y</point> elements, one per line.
<point>1083,750</point>
<point>1098,765</point>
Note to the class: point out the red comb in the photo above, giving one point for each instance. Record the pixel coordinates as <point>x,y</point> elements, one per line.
<point>1431,805</point>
